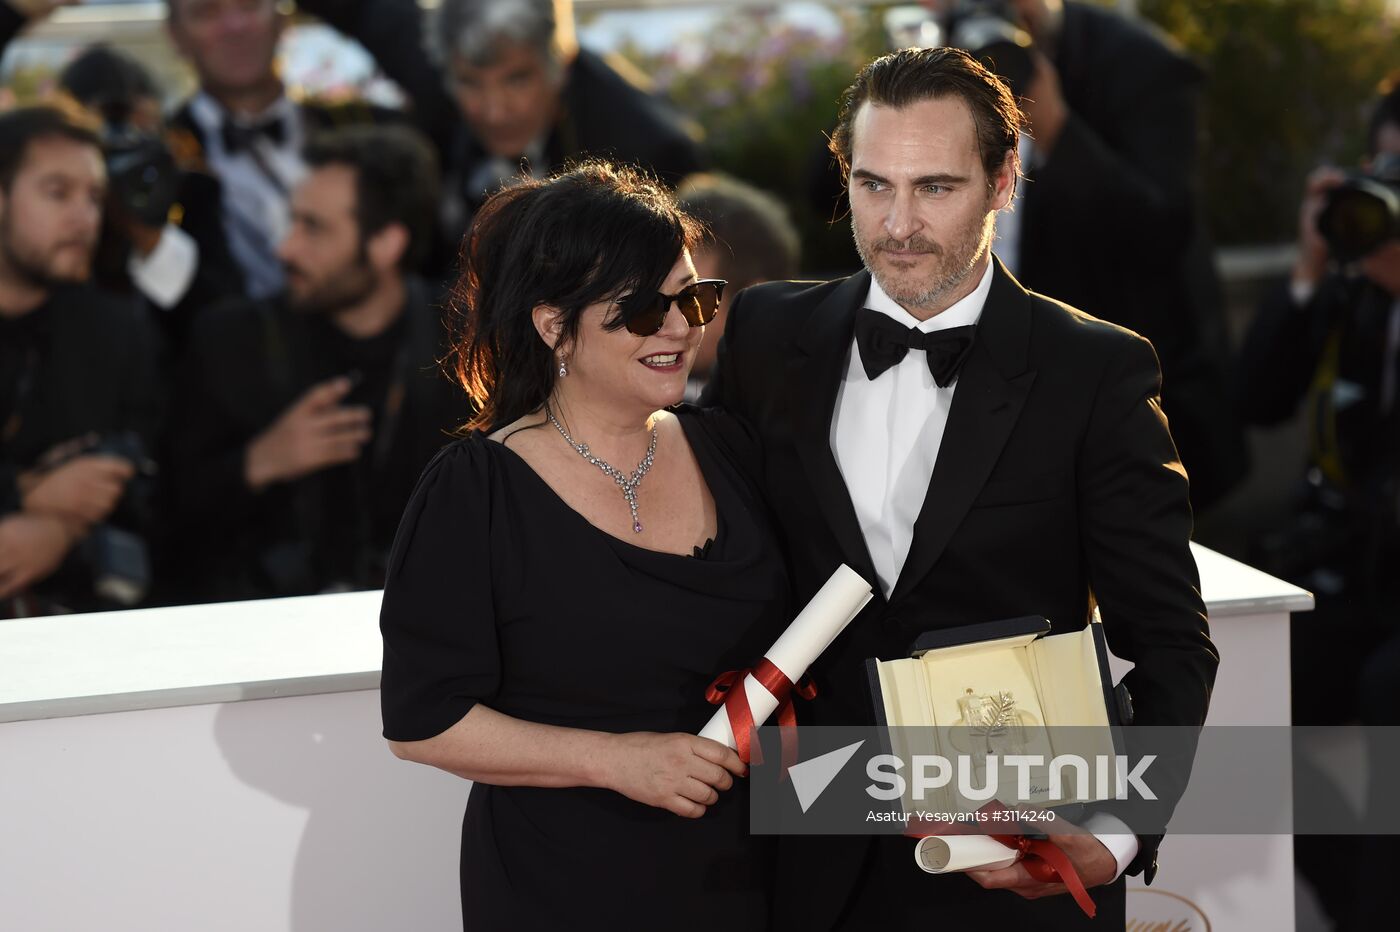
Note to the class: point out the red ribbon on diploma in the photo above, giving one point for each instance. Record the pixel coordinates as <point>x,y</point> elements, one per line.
<point>1048,863</point>
<point>728,688</point>
<point>1043,859</point>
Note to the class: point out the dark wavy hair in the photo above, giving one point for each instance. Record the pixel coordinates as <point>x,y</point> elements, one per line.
<point>595,232</point>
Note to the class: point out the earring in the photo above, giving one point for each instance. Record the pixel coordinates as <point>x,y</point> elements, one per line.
<point>563,369</point>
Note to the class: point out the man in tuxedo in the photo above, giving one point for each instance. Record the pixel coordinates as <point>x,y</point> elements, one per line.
<point>241,135</point>
<point>975,451</point>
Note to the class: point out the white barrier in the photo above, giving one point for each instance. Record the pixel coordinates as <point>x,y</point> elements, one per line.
<point>219,767</point>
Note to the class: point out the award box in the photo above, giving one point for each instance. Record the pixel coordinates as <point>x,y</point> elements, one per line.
<point>980,694</point>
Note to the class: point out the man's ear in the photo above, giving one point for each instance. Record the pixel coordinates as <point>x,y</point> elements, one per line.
<point>549,324</point>
<point>1004,183</point>
<point>387,247</point>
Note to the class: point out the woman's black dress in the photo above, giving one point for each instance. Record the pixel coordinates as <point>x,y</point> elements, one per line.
<point>500,593</point>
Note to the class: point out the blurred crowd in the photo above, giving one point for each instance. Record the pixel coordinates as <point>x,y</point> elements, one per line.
<point>220,325</point>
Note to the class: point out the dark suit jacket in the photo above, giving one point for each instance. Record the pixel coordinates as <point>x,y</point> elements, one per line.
<point>1057,485</point>
<point>1125,164</point>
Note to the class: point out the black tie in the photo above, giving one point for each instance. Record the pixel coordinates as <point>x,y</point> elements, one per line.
<point>884,341</point>
<point>237,138</point>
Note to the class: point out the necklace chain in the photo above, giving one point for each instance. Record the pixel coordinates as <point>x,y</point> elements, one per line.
<point>628,484</point>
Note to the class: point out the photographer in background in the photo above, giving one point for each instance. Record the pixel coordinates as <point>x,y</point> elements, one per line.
<point>142,249</point>
<point>161,234</point>
<point>1329,342</point>
<point>303,421</point>
<point>78,392</point>
<point>511,87</point>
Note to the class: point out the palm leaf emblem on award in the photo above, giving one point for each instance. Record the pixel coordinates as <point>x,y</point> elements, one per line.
<point>990,724</point>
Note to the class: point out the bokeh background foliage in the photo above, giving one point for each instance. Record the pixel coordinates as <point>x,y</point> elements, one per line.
<point>1288,86</point>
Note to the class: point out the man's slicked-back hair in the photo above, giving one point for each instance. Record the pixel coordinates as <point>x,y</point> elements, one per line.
<point>21,127</point>
<point>912,75</point>
<point>396,180</point>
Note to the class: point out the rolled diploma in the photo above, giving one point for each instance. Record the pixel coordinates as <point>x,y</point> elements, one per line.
<point>838,601</point>
<point>946,854</point>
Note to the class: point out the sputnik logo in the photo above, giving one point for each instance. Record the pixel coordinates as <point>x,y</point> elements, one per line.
<point>811,777</point>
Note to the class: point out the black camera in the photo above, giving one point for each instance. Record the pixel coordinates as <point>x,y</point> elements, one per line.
<point>1363,212</point>
<point>143,179</point>
<point>115,553</point>
<point>989,30</point>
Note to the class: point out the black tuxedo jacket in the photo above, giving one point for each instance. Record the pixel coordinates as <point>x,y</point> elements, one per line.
<point>1057,486</point>
<point>201,196</point>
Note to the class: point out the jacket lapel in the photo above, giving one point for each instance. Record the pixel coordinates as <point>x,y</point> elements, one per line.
<point>813,382</point>
<point>991,391</point>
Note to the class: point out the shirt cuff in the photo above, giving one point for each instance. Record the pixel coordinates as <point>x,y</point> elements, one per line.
<point>165,275</point>
<point>1115,836</point>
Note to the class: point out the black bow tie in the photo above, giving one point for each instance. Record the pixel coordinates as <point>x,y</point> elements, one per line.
<point>884,341</point>
<point>238,138</point>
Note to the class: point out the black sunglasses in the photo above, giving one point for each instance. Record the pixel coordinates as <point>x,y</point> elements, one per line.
<point>697,302</point>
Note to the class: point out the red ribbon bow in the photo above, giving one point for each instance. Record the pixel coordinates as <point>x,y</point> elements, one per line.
<point>1043,859</point>
<point>728,688</point>
<point>1048,863</point>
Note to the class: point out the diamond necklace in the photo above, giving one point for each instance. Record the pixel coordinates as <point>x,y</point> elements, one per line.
<point>626,483</point>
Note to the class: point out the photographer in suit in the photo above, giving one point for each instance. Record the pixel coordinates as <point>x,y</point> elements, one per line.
<point>79,401</point>
<point>511,86</point>
<point>304,420</point>
<point>148,246</point>
<point>1328,342</point>
<point>977,452</point>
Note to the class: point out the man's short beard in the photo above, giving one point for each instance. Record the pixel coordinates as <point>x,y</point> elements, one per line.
<point>917,296</point>
<point>344,291</point>
<point>29,268</point>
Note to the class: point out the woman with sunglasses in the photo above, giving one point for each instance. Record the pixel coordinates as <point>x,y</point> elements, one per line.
<point>569,578</point>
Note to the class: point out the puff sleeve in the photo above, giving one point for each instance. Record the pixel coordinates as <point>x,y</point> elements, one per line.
<point>441,652</point>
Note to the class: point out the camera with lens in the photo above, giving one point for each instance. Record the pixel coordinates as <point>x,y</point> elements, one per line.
<point>1363,212</point>
<point>989,30</point>
<point>143,176</point>
<point>143,179</point>
<point>114,555</point>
